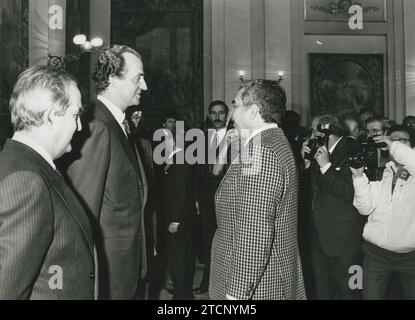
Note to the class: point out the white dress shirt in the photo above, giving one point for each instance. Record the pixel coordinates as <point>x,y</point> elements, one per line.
<point>22,138</point>
<point>115,111</point>
<point>391,221</point>
<point>219,134</point>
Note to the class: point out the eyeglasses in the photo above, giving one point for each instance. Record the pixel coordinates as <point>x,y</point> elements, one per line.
<point>375,131</point>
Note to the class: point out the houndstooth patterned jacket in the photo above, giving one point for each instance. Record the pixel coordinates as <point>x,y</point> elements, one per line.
<point>255,251</point>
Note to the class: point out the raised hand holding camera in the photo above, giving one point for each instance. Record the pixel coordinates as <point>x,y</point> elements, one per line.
<point>384,141</point>
<point>322,156</point>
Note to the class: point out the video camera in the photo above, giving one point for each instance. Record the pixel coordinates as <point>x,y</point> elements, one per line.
<point>320,139</point>
<point>366,156</point>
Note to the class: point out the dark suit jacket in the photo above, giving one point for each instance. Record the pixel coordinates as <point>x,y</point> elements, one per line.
<point>42,225</point>
<point>146,151</point>
<point>339,225</point>
<point>108,179</point>
<point>179,191</point>
<point>206,182</point>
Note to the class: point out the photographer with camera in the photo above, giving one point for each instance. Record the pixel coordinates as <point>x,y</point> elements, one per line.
<point>389,233</point>
<point>369,154</point>
<point>336,231</point>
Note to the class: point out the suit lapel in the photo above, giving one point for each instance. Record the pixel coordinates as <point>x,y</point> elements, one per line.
<point>110,120</point>
<point>338,152</point>
<point>73,205</point>
<point>58,184</point>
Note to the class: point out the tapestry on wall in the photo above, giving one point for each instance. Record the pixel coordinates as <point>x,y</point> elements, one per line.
<point>168,35</point>
<point>14,56</point>
<point>346,83</point>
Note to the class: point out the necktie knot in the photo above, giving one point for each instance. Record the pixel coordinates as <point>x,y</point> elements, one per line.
<point>126,127</point>
<point>214,142</point>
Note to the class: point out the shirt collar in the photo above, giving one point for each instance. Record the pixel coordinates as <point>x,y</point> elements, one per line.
<point>257,131</point>
<point>334,145</point>
<point>22,138</point>
<point>115,111</point>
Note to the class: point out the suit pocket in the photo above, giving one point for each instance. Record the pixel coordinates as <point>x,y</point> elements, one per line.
<point>118,244</point>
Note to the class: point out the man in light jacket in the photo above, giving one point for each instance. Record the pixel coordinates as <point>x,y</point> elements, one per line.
<point>389,233</point>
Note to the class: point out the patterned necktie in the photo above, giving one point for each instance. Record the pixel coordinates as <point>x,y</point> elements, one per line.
<point>126,127</point>
<point>214,142</point>
<point>396,176</point>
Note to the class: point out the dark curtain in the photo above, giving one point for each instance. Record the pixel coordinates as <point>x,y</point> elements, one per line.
<point>13,55</point>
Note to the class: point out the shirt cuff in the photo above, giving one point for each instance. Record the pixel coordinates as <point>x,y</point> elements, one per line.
<point>325,168</point>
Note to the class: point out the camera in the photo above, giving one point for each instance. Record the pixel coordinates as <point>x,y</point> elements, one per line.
<point>321,139</point>
<point>366,156</point>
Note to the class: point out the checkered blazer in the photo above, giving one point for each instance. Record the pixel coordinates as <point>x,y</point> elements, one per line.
<point>255,251</point>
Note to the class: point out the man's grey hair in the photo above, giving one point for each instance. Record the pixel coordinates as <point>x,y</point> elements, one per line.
<point>268,95</point>
<point>33,88</point>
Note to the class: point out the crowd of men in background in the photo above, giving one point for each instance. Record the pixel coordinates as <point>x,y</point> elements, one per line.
<point>337,228</point>
<point>107,222</point>
<point>356,205</point>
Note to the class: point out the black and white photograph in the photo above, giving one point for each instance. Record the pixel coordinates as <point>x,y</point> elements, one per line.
<point>212,153</point>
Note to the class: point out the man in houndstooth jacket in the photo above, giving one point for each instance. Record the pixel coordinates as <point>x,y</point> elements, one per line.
<point>255,251</point>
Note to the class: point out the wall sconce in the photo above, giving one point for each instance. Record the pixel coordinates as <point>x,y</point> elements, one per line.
<point>84,45</point>
<point>280,76</point>
<point>242,74</point>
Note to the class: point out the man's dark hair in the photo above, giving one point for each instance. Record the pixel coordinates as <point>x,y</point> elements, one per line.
<point>374,119</point>
<point>367,110</point>
<point>336,127</point>
<point>218,103</point>
<point>400,128</point>
<point>169,115</point>
<point>268,95</point>
<point>129,112</point>
<point>291,118</point>
<point>110,62</point>
<point>407,119</point>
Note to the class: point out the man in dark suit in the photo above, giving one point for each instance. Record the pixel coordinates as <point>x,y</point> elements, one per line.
<point>208,182</point>
<point>336,235</point>
<point>46,249</point>
<point>144,148</point>
<point>179,208</point>
<point>109,174</point>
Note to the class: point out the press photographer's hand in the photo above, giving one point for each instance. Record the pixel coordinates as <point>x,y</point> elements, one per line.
<point>322,156</point>
<point>385,139</point>
<point>305,149</point>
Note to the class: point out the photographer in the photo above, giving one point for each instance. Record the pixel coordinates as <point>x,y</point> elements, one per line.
<point>336,234</point>
<point>369,152</point>
<point>389,233</point>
